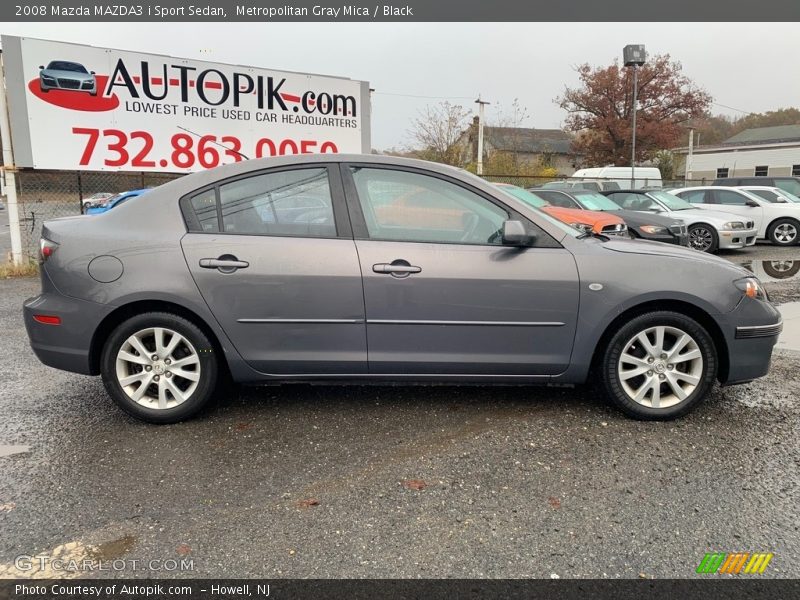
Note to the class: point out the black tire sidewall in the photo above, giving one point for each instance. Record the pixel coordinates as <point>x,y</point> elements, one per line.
<point>208,367</point>
<point>610,372</point>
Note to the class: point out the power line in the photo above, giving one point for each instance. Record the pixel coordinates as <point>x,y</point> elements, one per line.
<point>747,112</point>
<point>425,97</point>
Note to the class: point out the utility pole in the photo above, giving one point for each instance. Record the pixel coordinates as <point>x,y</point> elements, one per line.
<point>634,56</point>
<point>480,104</point>
<point>633,125</point>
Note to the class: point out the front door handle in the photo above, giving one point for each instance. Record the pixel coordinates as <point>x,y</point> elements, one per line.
<point>226,263</point>
<point>397,268</point>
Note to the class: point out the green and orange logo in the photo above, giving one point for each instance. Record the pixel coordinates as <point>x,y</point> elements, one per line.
<point>735,563</point>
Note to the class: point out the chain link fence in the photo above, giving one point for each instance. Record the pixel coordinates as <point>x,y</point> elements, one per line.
<point>44,195</point>
<point>590,183</point>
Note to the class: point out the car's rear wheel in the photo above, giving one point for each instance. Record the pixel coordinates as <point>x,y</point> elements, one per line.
<point>159,367</point>
<point>703,237</point>
<point>659,366</point>
<point>783,232</point>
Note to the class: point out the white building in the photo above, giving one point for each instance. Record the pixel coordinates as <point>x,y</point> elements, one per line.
<point>759,152</point>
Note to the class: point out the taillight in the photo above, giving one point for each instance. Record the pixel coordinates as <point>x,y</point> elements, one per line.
<point>46,249</point>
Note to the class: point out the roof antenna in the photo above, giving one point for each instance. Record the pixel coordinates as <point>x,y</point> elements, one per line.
<point>216,143</point>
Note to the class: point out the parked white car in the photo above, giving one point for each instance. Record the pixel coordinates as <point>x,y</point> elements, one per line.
<point>778,222</point>
<point>772,194</point>
<point>709,230</point>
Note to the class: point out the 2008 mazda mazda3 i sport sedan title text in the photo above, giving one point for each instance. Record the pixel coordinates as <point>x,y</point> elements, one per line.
<point>370,268</point>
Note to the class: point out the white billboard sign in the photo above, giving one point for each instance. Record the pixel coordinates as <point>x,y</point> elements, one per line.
<point>82,107</point>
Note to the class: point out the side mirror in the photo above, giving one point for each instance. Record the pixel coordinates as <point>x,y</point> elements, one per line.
<point>781,199</point>
<point>41,67</point>
<point>752,203</point>
<point>514,234</point>
<point>91,72</point>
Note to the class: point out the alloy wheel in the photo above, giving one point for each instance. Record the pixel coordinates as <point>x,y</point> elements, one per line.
<point>158,368</point>
<point>701,238</point>
<point>785,233</point>
<point>660,366</point>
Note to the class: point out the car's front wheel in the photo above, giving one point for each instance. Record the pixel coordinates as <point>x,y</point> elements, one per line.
<point>703,237</point>
<point>659,366</point>
<point>159,367</point>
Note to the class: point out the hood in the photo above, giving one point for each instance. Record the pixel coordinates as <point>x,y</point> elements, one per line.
<point>673,251</point>
<point>596,219</point>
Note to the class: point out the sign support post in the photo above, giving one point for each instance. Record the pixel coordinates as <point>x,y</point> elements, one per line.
<point>9,172</point>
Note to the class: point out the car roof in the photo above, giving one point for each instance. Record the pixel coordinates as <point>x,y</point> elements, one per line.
<point>199,179</point>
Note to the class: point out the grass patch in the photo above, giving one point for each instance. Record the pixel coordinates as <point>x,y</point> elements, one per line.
<point>27,268</point>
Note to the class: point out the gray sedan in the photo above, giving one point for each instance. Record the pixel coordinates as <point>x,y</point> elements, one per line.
<point>376,269</point>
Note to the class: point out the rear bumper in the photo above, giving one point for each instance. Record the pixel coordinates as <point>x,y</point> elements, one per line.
<point>66,346</point>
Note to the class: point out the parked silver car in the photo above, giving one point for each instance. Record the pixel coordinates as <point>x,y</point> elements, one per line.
<point>709,230</point>
<point>379,269</point>
<point>65,75</point>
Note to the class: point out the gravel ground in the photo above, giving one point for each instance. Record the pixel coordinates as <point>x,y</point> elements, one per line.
<point>377,482</point>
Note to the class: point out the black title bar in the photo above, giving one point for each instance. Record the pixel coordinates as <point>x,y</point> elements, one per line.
<point>707,588</point>
<point>411,11</point>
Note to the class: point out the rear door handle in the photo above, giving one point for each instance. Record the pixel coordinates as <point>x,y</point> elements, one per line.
<point>397,268</point>
<point>225,263</point>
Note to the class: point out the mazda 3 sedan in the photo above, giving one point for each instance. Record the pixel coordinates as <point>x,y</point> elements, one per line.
<point>376,269</point>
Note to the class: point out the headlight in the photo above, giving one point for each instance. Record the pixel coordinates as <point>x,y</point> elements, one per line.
<point>752,288</point>
<point>733,225</point>
<point>653,229</point>
<point>49,79</point>
<point>582,226</point>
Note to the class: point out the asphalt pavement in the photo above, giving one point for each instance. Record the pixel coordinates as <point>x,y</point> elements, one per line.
<point>396,482</point>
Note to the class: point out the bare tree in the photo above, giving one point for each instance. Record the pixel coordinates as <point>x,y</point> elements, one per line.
<point>437,133</point>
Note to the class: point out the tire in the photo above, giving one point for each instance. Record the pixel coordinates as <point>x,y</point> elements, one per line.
<point>628,368</point>
<point>783,232</point>
<point>179,383</point>
<point>703,237</point>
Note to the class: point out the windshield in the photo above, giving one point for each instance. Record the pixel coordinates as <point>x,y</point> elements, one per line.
<point>789,185</point>
<point>537,203</point>
<point>671,202</point>
<point>60,65</point>
<point>595,201</point>
<point>527,197</point>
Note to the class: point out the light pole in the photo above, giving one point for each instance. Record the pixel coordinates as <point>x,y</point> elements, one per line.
<point>481,104</point>
<point>634,56</point>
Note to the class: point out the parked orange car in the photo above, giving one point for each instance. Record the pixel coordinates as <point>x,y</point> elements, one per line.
<point>587,220</point>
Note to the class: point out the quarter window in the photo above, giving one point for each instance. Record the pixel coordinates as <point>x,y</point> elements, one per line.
<point>410,207</point>
<point>294,203</point>
<point>762,171</point>
<point>204,206</point>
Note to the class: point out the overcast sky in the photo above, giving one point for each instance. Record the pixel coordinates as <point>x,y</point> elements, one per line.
<point>747,66</point>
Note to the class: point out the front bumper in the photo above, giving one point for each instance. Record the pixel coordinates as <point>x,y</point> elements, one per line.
<point>679,239</point>
<point>736,238</point>
<point>751,331</point>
